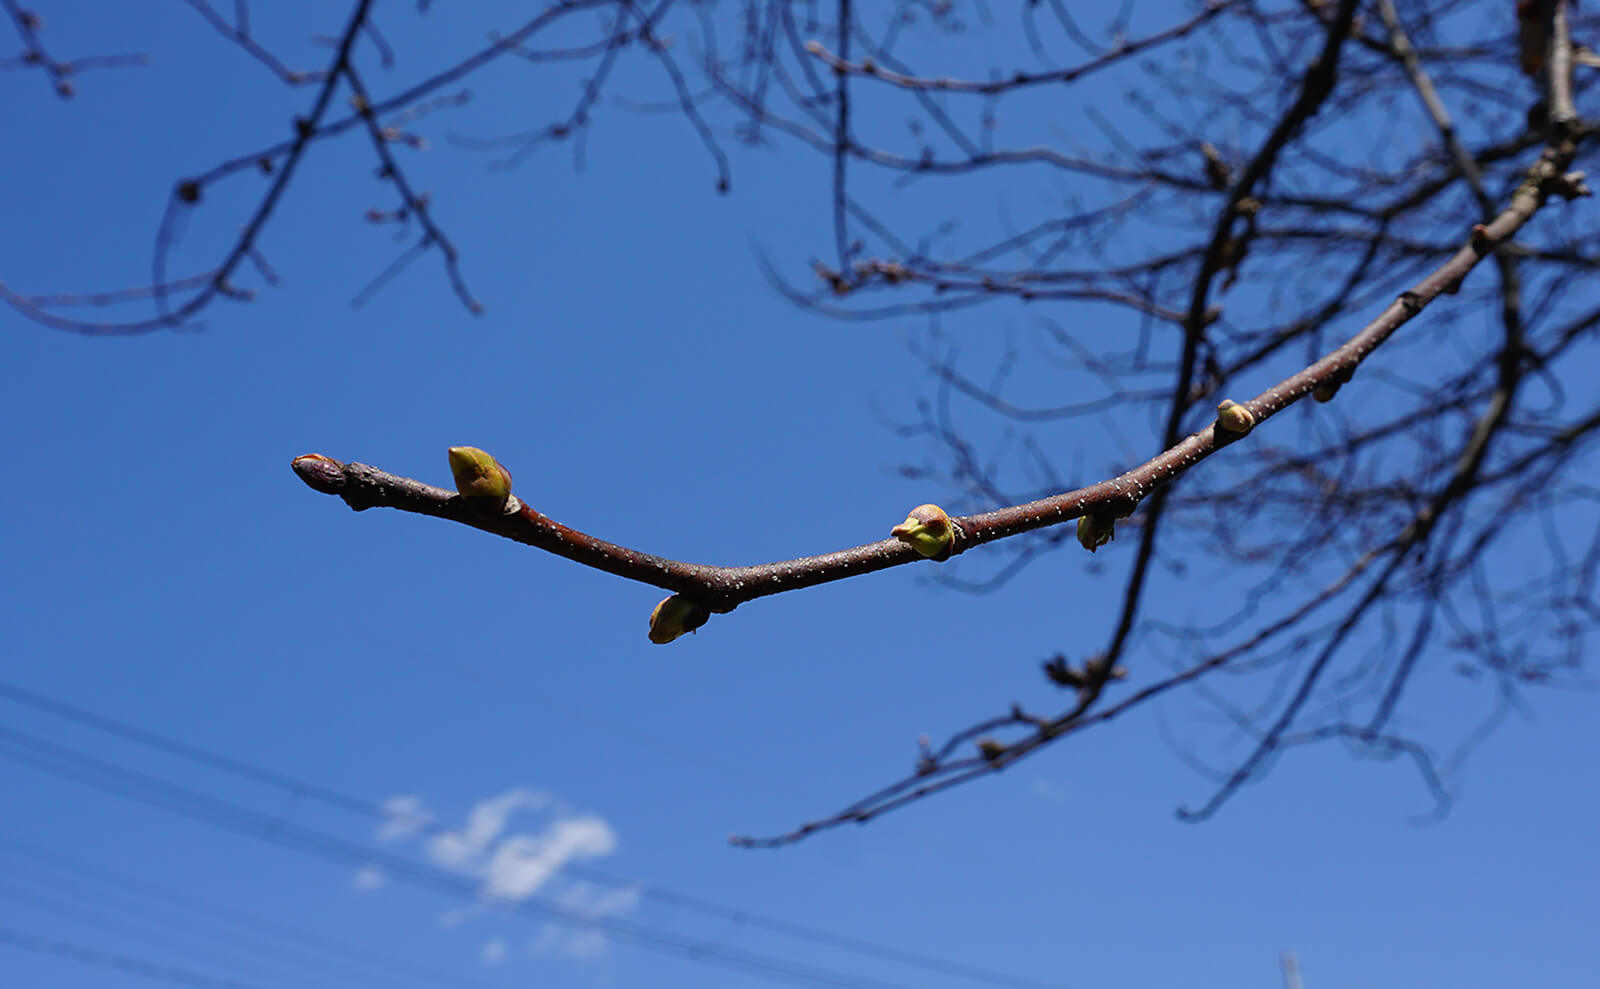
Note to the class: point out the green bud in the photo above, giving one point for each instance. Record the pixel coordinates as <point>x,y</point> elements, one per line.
<point>1094,531</point>
<point>929,531</point>
<point>1235,418</point>
<point>482,482</point>
<point>676,616</point>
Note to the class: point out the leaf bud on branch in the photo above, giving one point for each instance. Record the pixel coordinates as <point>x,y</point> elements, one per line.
<point>929,531</point>
<point>676,616</point>
<point>1235,418</point>
<point>482,482</point>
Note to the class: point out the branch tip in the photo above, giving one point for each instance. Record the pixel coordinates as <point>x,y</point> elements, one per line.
<point>320,473</point>
<point>1569,186</point>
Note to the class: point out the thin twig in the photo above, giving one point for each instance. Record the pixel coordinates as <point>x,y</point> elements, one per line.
<point>724,588</point>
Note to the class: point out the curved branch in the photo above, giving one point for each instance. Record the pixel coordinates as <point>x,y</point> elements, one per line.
<point>58,71</point>
<point>239,34</point>
<point>187,192</point>
<point>945,770</point>
<point>281,159</point>
<point>1124,50</point>
<point>721,589</point>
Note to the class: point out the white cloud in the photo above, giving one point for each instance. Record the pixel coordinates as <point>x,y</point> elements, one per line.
<point>461,849</point>
<point>523,863</point>
<point>512,862</point>
<point>404,816</point>
<point>367,878</point>
<point>591,903</point>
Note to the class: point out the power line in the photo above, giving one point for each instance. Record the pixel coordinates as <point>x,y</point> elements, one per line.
<point>105,959</point>
<point>224,915</point>
<point>64,761</point>
<point>367,808</point>
<point>150,936</point>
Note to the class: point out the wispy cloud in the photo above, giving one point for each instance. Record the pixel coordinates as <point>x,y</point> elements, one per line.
<point>404,816</point>
<point>522,864</point>
<point>368,877</point>
<point>592,903</point>
<point>465,848</point>
<point>515,845</point>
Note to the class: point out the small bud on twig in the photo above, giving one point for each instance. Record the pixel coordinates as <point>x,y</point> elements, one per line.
<point>1569,186</point>
<point>482,482</point>
<point>929,531</point>
<point>1234,418</point>
<point>990,749</point>
<point>1092,675</point>
<point>320,473</point>
<point>1095,531</point>
<point>1324,390</point>
<point>1218,175</point>
<point>1097,669</point>
<point>1062,675</point>
<point>675,616</point>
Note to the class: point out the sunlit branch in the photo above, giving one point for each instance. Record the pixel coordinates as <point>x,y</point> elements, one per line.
<point>1548,177</point>
<point>723,588</point>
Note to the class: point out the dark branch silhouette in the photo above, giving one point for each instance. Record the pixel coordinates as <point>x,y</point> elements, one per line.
<point>1270,177</point>
<point>180,301</point>
<point>29,27</point>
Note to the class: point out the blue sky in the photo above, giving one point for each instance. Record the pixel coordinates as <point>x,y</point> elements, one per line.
<point>643,381</point>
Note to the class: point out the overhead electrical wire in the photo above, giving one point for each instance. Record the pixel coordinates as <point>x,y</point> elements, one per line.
<point>150,937</point>
<point>123,963</point>
<point>69,763</point>
<point>222,923</point>
<point>355,805</point>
